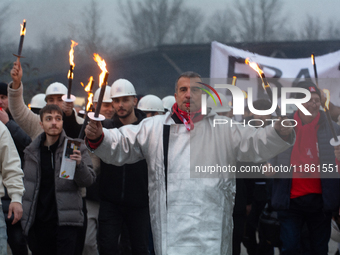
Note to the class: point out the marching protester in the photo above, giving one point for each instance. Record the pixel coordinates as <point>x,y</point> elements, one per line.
<point>188,215</point>
<point>11,177</point>
<point>16,239</point>
<point>306,196</point>
<point>124,187</point>
<point>29,121</point>
<point>151,105</point>
<point>92,192</point>
<point>53,205</point>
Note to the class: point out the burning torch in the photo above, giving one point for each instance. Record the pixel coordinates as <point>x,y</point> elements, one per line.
<point>314,67</point>
<point>69,97</point>
<point>22,37</point>
<point>335,140</point>
<point>89,104</point>
<point>102,84</point>
<point>265,83</point>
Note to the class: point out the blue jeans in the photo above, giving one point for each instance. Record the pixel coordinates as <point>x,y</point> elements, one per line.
<point>3,233</point>
<point>319,227</point>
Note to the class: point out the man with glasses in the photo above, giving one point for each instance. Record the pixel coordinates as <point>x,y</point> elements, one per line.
<point>310,192</point>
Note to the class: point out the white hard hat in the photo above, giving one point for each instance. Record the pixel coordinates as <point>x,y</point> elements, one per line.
<point>106,98</point>
<point>335,232</point>
<point>219,108</point>
<point>150,103</point>
<point>38,101</point>
<point>168,102</point>
<point>122,88</point>
<point>56,88</point>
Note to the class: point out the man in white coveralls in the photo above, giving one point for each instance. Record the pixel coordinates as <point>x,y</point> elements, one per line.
<point>189,215</point>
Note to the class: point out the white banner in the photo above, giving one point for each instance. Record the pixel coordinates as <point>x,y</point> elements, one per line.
<point>227,62</point>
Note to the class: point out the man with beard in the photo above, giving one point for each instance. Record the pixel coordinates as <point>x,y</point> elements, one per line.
<point>124,199</point>
<point>52,205</point>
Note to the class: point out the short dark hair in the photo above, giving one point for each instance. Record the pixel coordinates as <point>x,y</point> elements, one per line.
<point>49,108</point>
<point>262,104</point>
<point>188,74</point>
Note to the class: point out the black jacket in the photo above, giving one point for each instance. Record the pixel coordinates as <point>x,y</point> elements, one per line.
<point>128,184</point>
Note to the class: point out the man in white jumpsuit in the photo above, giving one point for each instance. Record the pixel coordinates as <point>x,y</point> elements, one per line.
<point>189,215</point>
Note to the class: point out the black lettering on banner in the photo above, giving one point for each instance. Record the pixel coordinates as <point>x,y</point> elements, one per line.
<point>303,73</point>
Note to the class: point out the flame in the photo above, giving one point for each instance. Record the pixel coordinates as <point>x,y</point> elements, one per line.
<point>88,89</point>
<point>234,81</point>
<point>29,106</point>
<point>102,65</point>
<point>89,102</point>
<point>71,53</point>
<point>328,97</point>
<point>254,66</point>
<point>313,59</point>
<point>88,86</point>
<point>245,94</point>
<point>259,71</point>
<point>23,28</point>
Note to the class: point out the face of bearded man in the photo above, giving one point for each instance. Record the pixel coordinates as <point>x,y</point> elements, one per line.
<point>124,106</point>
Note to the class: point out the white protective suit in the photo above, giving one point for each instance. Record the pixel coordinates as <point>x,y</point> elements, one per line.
<point>190,215</point>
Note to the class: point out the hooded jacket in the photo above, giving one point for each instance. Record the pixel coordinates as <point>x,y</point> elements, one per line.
<point>10,169</point>
<point>68,192</point>
<point>191,213</point>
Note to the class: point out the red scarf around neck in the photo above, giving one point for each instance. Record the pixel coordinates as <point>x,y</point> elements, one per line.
<point>187,118</point>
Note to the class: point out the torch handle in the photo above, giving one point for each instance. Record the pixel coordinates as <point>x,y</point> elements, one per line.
<point>21,43</point>
<point>100,101</point>
<point>331,125</point>
<point>70,82</point>
<point>101,95</point>
<point>82,130</point>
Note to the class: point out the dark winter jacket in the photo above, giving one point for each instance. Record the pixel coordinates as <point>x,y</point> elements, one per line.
<point>68,192</point>
<point>128,184</point>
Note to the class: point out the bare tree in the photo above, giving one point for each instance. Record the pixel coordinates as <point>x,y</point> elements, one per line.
<point>259,20</point>
<point>333,30</point>
<point>150,23</point>
<point>221,27</point>
<point>93,36</point>
<point>311,29</point>
<point>4,13</point>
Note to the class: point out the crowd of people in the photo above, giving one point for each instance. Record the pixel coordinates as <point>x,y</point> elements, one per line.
<point>135,189</point>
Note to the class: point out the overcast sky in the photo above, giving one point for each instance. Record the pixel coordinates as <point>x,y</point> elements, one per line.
<point>55,17</point>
